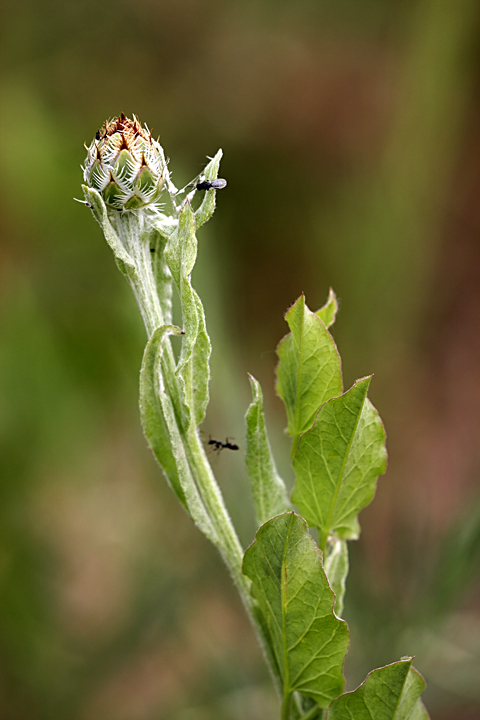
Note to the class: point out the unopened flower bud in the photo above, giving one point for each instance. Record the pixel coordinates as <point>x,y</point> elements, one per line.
<point>125,165</point>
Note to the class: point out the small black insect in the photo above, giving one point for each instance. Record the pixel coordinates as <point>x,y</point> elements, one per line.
<point>211,184</point>
<point>152,249</point>
<point>219,445</point>
<point>97,135</point>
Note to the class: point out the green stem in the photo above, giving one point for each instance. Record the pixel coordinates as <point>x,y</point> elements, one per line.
<point>286,706</point>
<point>314,713</point>
<point>323,539</point>
<point>136,240</point>
<point>293,449</point>
<point>229,544</point>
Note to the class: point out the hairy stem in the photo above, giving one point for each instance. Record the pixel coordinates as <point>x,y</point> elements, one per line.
<point>135,238</point>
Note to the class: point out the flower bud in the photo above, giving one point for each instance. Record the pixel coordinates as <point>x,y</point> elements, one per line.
<point>125,165</point>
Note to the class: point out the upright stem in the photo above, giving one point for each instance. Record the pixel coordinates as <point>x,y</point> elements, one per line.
<point>229,544</point>
<point>286,706</point>
<point>314,714</point>
<point>135,238</point>
<point>132,232</point>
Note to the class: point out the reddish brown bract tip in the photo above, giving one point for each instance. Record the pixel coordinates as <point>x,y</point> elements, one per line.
<point>129,129</point>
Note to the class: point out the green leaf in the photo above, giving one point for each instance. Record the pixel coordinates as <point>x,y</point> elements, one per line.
<point>268,489</point>
<point>153,419</point>
<point>390,693</point>
<point>207,208</point>
<point>309,372</point>
<point>293,593</point>
<point>419,712</point>
<point>99,210</point>
<point>159,420</point>
<point>338,461</point>
<point>328,312</point>
<point>162,274</point>
<point>196,373</point>
<point>193,364</point>
<point>336,569</point>
<point>180,254</point>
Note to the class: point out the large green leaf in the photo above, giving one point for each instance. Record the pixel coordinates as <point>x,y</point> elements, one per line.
<point>390,693</point>
<point>268,489</point>
<point>338,461</point>
<point>309,371</point>
<point>309,642</point>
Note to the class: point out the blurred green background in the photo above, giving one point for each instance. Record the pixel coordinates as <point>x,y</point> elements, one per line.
<point>351,137</point>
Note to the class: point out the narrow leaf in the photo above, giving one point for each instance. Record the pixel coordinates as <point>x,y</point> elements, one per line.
<point>309,372</point>
<point>153,419</point>
<point>328,312</point>
<point>389,693</point>
<point>99,210</point>
<point>336,569</point>
<point>196,373</point>
<point>193,364</point>
<point>338,461</point>
<point>162,274</point>
<point>180,254</point>
<point>292,591</point>
<point>159,421</point>
<point>207,208</point>
<point>268,489</point>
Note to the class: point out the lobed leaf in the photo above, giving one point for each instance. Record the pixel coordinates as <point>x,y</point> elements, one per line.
<point>309,371</point>
<point>328,312</point>
<point>207,207</point>
<point>292,591</point>
<point>338,461</point>
<point>268,489</point>
<point>389,693</point>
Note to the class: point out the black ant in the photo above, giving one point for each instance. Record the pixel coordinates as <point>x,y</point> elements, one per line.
<point>218,445</point>
<point>211,184</point>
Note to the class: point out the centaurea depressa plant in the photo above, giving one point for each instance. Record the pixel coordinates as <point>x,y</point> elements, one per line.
<point>292,588</point>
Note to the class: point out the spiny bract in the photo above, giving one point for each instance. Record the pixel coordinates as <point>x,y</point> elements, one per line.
<point>125,164</point>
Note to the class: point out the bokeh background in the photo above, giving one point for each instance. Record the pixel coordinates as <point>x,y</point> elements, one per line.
<point>351,137</point>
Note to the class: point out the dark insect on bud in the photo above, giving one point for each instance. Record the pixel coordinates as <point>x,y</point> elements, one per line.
<point>211,184</point>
